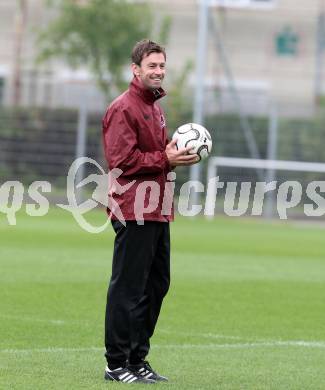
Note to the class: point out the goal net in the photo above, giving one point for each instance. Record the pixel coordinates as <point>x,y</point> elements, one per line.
<point>290,189</point>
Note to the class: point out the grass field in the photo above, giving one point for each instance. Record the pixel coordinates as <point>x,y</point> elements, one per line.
<point>246,309</point>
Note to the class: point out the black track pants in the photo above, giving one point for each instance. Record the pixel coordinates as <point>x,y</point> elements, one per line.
<point>140,280</point>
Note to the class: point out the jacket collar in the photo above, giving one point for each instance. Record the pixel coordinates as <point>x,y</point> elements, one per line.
<point>147,95</point>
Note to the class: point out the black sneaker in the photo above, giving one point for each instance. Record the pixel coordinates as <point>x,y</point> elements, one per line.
<point>144,370</point>
<point>125,375</point>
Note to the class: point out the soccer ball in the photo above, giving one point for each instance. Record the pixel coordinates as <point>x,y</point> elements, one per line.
<point>192,134</point>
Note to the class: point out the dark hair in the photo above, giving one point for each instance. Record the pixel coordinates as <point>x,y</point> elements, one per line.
<point>144,48</point>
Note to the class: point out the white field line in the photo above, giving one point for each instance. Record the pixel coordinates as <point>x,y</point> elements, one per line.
<point>60,322</point>
<point>245,344</point>
<point>272,344</point>
<point>247,341</point>
<point>203,335</point>
<point>50,350</point>
<point>42,320</point>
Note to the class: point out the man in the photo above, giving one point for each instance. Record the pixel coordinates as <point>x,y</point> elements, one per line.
<point>135,141</point>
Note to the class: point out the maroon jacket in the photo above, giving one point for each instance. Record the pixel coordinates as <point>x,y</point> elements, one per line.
<point>135,138</point>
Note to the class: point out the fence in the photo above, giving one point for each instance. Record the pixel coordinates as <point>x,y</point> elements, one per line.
<point>39,144</point>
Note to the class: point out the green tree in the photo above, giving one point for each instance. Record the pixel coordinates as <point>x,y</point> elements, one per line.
<point>98,34</point>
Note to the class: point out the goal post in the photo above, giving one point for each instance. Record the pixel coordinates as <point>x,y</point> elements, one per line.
<point>214,163</point>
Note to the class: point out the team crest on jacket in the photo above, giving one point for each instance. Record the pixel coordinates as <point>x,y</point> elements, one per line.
<point>162,121</point>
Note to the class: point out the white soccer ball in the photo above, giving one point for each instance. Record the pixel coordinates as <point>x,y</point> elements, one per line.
<point>197,136</point>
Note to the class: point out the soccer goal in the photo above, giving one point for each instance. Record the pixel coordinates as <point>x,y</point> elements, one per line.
<point>269,166</point>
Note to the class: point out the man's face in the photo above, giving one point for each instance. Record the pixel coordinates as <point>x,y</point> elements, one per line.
<point>151,70</point>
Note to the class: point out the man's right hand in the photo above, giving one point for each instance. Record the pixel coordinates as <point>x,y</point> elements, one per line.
<point>181,156</point>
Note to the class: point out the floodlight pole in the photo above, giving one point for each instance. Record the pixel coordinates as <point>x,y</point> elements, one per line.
<point>201,58</point>
<point>81,146</point>
<point>320,49</point>
<point>270,173</point>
